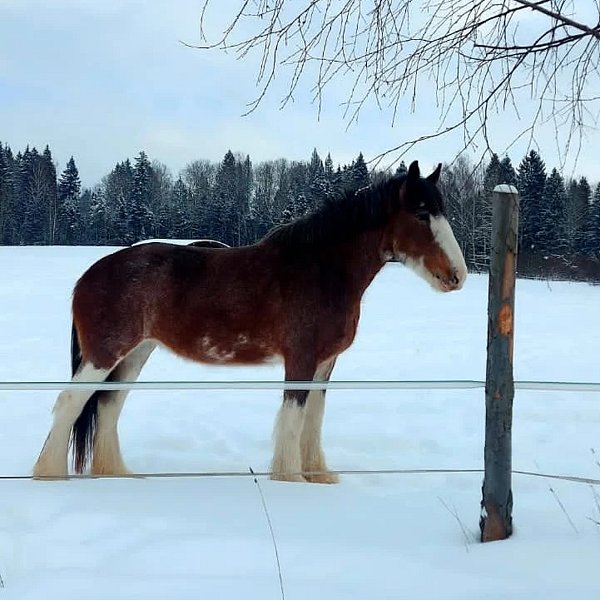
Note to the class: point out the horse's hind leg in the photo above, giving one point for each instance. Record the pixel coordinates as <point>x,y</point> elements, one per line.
<point>106,456</point>
<point>52,461</point>
<point>313,459</point>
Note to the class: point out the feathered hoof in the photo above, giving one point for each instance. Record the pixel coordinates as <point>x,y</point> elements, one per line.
<point>326,477</point>
<point>295,478</point>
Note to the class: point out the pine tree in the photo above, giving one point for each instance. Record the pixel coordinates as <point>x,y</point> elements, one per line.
<point>492,176</point>
<point>98,218</point>
<point>300,199</point>
<point>51,194</point>
<point>594,228</point>
<point>359,176</point>
<point>552,237</point>
<point>507,172</point>
<point>328,168</point>
<point>117,189</point>
<point>11,221</point>
<point>4,207</point>
<point>225,198</point>
<point>69,215</point>
<point>583,204</point>
<point>140,213</point>
<point>401,169</point>
<point>33,222</point>
<point>319,183</point>
<point>531,179</point>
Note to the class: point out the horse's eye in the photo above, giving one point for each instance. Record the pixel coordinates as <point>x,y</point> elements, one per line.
<point>422,214</point>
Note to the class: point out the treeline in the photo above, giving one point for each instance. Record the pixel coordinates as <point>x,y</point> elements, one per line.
<point>237,202</point>
<point>233,201</point>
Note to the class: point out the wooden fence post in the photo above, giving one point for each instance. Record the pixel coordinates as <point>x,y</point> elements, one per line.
<point>496,505</point>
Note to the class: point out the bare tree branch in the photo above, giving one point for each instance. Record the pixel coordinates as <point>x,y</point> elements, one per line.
<point>482,57</point>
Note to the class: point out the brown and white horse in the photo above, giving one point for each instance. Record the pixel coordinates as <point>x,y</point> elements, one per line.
<point>295,295</point>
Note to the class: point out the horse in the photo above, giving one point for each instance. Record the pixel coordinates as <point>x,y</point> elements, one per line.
<point>295,296</point>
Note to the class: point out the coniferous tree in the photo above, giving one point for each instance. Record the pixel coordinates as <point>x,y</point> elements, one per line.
<point>31,197</point>
<point>140,213</point>
<point>50,193</point>
<point>507,172</point>
<point>552,217</point>
<point>492,176</point>
<point>318,185</point>
<point>225,197</point>
<point>531,179</point>
<point>595,224</point>
<point>69,214</point>
<point>4,207</point>
<point>401,169</point>
<point>299,197</point>
<point>11,219</point>
<point>117,188</point>
<point>583,199</point>
<point>98,218</point>
<point>359,175</point>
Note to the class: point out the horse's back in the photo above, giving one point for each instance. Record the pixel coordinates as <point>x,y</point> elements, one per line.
<point>178,295</point>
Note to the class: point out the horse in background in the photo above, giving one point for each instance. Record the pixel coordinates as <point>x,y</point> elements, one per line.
<point>295,295</point>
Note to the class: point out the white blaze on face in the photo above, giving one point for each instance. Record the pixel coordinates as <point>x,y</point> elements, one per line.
<point>444,236</point>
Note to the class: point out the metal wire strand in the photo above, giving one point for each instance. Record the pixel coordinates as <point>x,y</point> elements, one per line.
<point>461,384</point>
<point>241,474</point>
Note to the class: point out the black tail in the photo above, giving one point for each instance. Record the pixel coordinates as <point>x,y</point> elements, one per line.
<point>84,429</point>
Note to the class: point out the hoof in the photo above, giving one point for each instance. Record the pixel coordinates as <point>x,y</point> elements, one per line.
<point>283,477</point>
<point>106,471</point>
<point>326,477</point>
<point>43,472</point>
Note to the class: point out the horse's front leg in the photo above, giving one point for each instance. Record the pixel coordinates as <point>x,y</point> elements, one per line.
<point>314,466</point>
<point>287,456</point>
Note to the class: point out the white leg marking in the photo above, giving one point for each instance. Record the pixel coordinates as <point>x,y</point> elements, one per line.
<point>52,461</point>
<point>107,458</point>
<point>443,234</point>
<point>313,459</point>
<point>287,463</point>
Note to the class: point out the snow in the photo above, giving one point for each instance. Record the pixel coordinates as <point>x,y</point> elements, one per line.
<point>372,536</point>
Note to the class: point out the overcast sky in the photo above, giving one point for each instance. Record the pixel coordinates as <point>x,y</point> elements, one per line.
<point>103,79</point>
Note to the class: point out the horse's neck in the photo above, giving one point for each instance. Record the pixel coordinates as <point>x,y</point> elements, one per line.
<point>364,259</point>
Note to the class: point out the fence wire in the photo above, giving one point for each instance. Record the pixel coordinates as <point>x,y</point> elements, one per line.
<point>252,473</point>
<point>460,384</point>
<point>465,384</point>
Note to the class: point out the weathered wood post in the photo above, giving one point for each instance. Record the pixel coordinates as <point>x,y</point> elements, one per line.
<point>496,505</point>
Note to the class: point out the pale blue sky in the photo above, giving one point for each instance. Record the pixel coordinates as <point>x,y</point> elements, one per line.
<point>103,79</point>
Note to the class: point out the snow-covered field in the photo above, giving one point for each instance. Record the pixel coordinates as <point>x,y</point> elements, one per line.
<point>372,536</point>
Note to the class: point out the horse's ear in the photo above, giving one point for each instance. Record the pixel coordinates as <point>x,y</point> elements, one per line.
<point>435,175</point>
<point>413,170</point>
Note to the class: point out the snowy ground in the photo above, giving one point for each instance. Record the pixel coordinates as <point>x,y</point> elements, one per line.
<point>376,536</point>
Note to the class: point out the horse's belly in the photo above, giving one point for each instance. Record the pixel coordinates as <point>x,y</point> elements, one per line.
<point>241,350</point>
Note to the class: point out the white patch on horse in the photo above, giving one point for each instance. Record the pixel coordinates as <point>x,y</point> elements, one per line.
<point>287,461</point>
<point>214,353</point>
<point>52,461</point>
<point>418,266</point>
<point>444,236</point>
<point>106,456</point>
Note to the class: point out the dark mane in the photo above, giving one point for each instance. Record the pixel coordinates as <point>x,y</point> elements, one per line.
<point>341,218</point>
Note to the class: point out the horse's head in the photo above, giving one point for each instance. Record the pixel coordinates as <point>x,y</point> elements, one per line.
<point>421,236</point>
